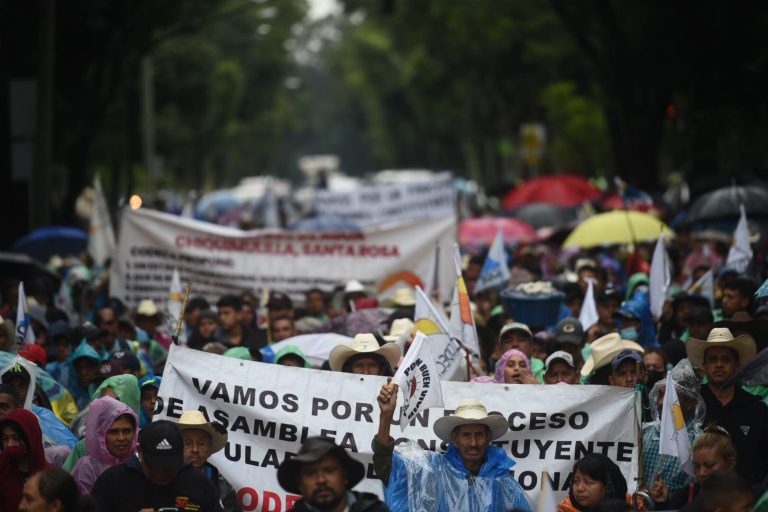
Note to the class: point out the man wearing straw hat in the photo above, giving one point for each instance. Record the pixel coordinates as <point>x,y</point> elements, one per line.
<point>471,475</point>
<point>201,440</point>
<point>743,415</point>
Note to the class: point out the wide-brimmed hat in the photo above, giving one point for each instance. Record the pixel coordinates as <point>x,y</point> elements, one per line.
<point>404,297</point>
<point>402,328</point>
<point>147,307</point>
<point>744,345</point>
<point>470,412</point>
<point>313,450</point>
<point>603,350</point>
<point>363,344</point>
<point>195,420</point>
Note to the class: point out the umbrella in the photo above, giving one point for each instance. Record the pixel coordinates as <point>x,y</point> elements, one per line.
<point>325,224</point>
<point>482,230</point>
<point>544,215</point>
<point>613,228</point>
<point>364,320</point>
<point>723,204</point>
<point>562,189</point>
<point>43,243</point>
<point>24,268</point>
<point>213,204</point>
<point>754,372</point>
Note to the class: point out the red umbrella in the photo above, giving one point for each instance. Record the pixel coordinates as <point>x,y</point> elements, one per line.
<point>561,189</point>
<point>481,231</point>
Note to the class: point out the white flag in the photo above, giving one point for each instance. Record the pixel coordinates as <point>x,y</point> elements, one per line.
<point>101,240</point>
<point>495,271</point>
<point>673,437</point>
<point>705,286</point>
<point>449,357</point>
<point>462,322</point>
<point>741,251</point>
<point>173,307</point>
<point>419,381</point>
<point>63,301</point>
<point>588,315</point>
<point>659,278</point>
<point>24,332</point>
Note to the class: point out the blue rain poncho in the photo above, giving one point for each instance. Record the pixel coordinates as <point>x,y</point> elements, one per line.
<point>639,306</point>
<point>426,481</point>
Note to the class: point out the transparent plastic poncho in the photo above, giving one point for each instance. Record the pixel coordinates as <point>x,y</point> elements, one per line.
<point>425,481</point>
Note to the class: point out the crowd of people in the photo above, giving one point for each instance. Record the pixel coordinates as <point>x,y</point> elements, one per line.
<point>84,438</point>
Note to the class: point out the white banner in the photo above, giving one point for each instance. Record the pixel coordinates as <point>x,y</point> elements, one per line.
<point>269,409</point>
<point>220,260</point>
<point>391,203</point>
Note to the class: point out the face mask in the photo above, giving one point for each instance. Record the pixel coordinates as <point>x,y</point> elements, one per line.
<point>629,333</point>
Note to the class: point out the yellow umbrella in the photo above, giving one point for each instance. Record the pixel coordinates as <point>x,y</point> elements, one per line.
<point>613,228</point>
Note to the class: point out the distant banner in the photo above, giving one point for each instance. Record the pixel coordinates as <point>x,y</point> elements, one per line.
<point>391,203</point>
<point>269,410</point>
<point>220,260</point>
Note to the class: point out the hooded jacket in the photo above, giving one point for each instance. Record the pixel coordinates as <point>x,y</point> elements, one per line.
<point>81,395</point>
<point>11,478</point>
<point>126,387</point>
<point>103,414</point>
<point>149,381</point>
<point>427,481</point>
<point>639,306</point>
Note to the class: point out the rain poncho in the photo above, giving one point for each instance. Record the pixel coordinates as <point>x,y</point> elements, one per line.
<point>81,395</point>
<point>126,388</point>
<point>294,350</point>
<point>11,478</point>
<point>425,481</point>
<point>501,364</point>
<point>103,413</point>
<point>148,381</point>
<point>640,307</point>
<point>686,385</point>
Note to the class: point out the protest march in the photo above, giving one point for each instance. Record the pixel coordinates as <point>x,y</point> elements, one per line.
<point>408,358</point>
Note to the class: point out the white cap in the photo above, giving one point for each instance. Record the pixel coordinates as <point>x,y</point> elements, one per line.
<point>561,355</point>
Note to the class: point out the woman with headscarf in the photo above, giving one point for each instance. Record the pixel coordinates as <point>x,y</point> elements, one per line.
<point>596,479</point>
<point>110,437</point>
<point>21,457</point>
<point>514,367</point>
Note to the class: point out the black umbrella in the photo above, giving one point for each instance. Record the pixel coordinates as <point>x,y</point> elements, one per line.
<point>24,268</point>
<point>723,204</point>
<point>544,215</point>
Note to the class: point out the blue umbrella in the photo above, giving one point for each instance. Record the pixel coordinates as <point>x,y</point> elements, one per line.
<point>213,204</point>
<point>43,243</point>
<point>325,224</point>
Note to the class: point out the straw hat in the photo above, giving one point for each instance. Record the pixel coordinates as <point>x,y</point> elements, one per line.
<point>603,350</point>
<point>195,420</point>
<point>470,412</point>
<point>404,297</point>
<point>402,328</point>
<point>147,307</point>
<point>363,344</point>
<point>744,345</point>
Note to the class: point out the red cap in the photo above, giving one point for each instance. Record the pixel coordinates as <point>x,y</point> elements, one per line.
<point>35,353</point>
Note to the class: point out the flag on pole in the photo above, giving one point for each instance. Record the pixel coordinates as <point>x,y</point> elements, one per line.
<point>447,354</point>
<point>495,272</point>
<point>418,379</point>
<point>659,278</point>
<point>462,322</point>
<point>588,316</point>
<point>673,437</point>
<point>63,301</point>
<point>432,283</point>
<point>173,307</point>
<point>101,240</point>
<point>740,253</point>
<point>705,286</point>
<point>24,332</point>
<point>763,290</point>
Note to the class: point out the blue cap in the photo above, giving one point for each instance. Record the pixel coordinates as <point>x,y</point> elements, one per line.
<point>625,355</point>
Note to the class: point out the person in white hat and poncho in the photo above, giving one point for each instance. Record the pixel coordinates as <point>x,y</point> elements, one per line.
<point>471,475</point>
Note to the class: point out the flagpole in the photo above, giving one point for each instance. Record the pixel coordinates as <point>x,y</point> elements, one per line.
<point>183,312</point>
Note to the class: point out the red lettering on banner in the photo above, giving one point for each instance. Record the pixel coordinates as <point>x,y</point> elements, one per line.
<point>270,502</point>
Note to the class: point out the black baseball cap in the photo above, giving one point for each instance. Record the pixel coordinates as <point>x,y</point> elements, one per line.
<point>162,445</point>
<point>279,300</point>
<point>126,359</point>
<point>569,330</point>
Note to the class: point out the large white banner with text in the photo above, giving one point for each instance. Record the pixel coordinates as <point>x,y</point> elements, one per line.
<point>268,410</point>
<point>220,260</point>
<point>393,202</point>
